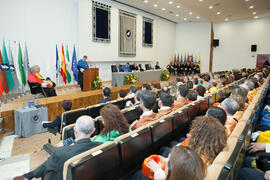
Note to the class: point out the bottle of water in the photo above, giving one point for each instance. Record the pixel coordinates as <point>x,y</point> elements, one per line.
<point>23,106</point>
<point>37,103</point>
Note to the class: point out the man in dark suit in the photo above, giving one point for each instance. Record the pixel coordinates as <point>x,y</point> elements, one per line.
<point>52,169</point>
<point>106,94</point>
<point>117,68</point>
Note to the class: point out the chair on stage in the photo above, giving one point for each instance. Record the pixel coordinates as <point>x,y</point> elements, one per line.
<point>36,90</point>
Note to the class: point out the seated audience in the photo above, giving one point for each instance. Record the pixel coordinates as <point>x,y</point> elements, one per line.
<point>148,100</point>
<point>132,91</point>
<point>115,124</point>
<point>137,100</point>
<point>146,87</point>
<point>183,164</point>
<point>201,91</point>
<point>35,79</point>
<point>122,93</point>
<point>195,82</point>
<point>165,89</point>
<point>157,65</point>
<point>213,88</point>
<point>189,84</point>
<point>56,124</point>
<point>181,97</point>
<point>106,95</point>
<point>154,88</point>
<point>165,104</point>
<point>53,167</point>
<point>192,95</point>
<point>230,106</point>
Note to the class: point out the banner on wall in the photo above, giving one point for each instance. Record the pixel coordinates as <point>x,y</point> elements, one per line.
<point>262,59</point>
<point>127,34</point>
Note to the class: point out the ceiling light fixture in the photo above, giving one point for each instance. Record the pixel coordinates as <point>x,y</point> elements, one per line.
<point>155,5</point>
<point>198,17</point>
<point>246,0</point>
<point>185,19</point>
<point>178,6</point>
<point>218,13</point>
<point>190,13</point>
<point>177,15</point>
<point>170,2</point>
<point>163,9</point>
<point>145,1</point>
<point>210,7</point>
<point>200,0</point>
<point>251,7</point>
<point>255,17</point>
<point>254,13</point>
<point>226,19</point>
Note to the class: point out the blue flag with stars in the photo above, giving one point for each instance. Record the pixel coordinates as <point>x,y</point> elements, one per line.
<point>74,67</point>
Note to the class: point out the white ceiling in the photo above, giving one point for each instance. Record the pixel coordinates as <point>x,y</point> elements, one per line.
<point>198,10</point>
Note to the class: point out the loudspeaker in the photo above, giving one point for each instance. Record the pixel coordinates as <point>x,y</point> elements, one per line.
<point>253,48</point>
<point>215,42</point>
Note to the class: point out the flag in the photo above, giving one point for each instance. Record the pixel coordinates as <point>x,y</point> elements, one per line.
<point>74,67</point>
<point>57,63</point>
<point>199,61</point>
<point>68,65</point>
<point>174,58</point>
<point>191,59</point>
<point>185,60</point>
<point>63,66</point>
<point>187,57</point>
<point>20,63</point>
<point>3,77</point>
<point>13,69</point>
<point>181,59</point>
<point>1,88</point>
<point>26,62</point>
<point>8,72</point>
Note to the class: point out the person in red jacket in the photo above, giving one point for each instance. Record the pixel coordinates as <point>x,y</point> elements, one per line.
<point>35,79</point>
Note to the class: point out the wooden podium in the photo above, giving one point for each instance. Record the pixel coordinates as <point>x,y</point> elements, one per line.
<point>88,78</point>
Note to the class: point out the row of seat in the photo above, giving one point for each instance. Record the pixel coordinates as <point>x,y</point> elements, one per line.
<point>118,159</point>
<point>228,163</point>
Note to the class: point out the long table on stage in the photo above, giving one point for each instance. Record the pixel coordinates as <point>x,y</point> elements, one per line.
<point>145,76</point>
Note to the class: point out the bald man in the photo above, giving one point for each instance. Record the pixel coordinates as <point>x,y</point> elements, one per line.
<point>53,167</point>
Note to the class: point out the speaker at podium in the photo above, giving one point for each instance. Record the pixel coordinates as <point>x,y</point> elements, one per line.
<point>88,78</point>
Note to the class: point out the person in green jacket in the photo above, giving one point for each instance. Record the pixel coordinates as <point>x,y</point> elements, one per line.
<point>115,124</point>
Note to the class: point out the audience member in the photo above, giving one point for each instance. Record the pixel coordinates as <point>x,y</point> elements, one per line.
<point>56,124</point>
<point>53,167</point>
<point>217,113</point>
<point>115,124</point>
<point>106,95</point>
<point>181,97</point>
<point>148,100</point>
<point>132,91</point>
<point>189,84</point>
<point>192,95</point>
<point>201,91</point>
<point>122,93</point>
<point>146,87</point>
<point>165,104</point>
<point>137,100</point>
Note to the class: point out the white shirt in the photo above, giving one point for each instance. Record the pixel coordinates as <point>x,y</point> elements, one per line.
<point>199,97</point>
<point>146,113</point>
<point>130,95</point>
<point>164,108</point>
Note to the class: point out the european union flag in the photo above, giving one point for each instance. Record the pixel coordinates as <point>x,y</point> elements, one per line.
<point>74,67</point>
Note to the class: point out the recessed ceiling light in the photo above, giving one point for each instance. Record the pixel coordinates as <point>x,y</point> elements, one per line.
<point>178,6</point>
<point>185,19</point>
<point>255,17</point>
<point>190,13</point>
<point>163,9</point>
<point>145,1</point>
<point>198,17</point>
<point>210,7</point>
<point>177,15</point>
<point>200,0</point>
<point>254,13</point>
<point>246,0</point>
<point>155,5</point>
<point>170,2</point>
<point>218,13</point>
<point>251,7</point>
<point>226,19</point>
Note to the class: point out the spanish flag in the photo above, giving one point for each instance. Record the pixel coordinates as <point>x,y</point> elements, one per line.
<point>63,66</point>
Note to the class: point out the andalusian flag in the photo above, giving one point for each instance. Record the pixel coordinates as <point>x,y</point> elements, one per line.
<point>20,63</point>
<point>8,72</point>
<point>182,59</point>
<point>68,65</point>
<point>63,66</point>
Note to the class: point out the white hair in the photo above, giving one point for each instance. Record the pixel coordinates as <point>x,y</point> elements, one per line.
<point>85,125</point>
